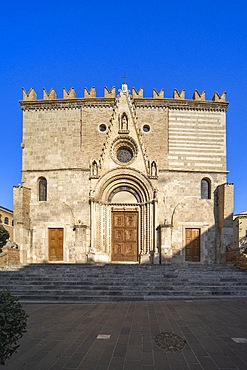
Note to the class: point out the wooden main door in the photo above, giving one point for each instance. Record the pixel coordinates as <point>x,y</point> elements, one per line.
<point>192,248</point>
<point>124,236</point>
<point>55,244</point>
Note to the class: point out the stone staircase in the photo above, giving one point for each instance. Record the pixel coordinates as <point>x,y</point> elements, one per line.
<point>122,282</point>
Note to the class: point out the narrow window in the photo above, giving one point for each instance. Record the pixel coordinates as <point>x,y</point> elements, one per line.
<point>42,189</point>
<point>205,189</point>
<point>6,220</point>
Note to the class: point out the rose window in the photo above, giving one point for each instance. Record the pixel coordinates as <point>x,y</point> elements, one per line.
<point>124,155</point>
<point>124,150</point>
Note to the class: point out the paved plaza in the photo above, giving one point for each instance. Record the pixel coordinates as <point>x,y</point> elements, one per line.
<point>121,335</point>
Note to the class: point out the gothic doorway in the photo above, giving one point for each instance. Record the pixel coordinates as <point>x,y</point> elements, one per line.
<point>124,236</point>
<point>192,248</point>
<point>122,212</point>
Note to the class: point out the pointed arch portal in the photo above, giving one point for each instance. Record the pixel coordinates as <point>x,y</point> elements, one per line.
<point>123,217</point>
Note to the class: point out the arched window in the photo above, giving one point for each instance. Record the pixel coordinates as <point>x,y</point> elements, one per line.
<point>13,223</point>
<point>205,189</point>
<point>42,189</point>
<point>6,220</point>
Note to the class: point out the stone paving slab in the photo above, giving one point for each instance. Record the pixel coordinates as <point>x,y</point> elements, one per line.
<point>121,335</point>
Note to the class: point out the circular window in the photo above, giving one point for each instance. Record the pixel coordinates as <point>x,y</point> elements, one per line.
<point>102,127</point>
<point>146,128</point>
<point>124,155</point>
<point>124,150</point>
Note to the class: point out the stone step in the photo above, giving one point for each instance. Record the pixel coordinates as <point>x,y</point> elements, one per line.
<point>102,289</point>
<point>125,292</point>
<point>126,274</point>
<point>83,283</point>
<point>24,297</point>
<point>95,286</point>
<point>120,283</point>
<point>94,267</point>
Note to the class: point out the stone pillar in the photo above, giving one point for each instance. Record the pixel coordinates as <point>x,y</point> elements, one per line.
<point>92,215</point>
<point>22,232</point>
<point>81,243</point>
<point>225,220</point>
<point>156,259</point>
<point>165,243</point>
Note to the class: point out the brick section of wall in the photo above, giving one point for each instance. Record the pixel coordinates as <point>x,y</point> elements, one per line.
<point>197,140</point>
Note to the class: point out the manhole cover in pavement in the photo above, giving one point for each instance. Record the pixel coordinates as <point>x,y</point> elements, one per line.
<point>169,342</point>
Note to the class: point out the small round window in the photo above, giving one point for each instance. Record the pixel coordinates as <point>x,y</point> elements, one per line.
<point>124,155</point>
<point>146,128</point>
<point>102,127</point>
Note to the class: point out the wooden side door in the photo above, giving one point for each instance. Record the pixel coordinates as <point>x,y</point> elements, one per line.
<point>192,248</point>
<point>124,236</point>
<point>55,244</point>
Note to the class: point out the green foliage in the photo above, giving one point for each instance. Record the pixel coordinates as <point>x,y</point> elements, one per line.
<point>13,323</point>
<point>4,235</point>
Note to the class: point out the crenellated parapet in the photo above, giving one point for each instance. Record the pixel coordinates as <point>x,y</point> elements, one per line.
<point>137,94</point>
<point>110,93</point>
<point>219,98</point>
<point>90,93</point>
<point>69,94</point>
<point>179,101</point>
<point>157,95</point>
<point>177,95</point>
<point>49,95</point>
<point>198,96</point>
<point>30,95</point>
<point>158,100</point>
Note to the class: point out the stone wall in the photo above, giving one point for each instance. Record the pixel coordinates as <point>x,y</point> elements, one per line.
<point>10,255</point>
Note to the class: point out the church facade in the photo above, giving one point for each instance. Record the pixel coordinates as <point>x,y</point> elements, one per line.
<point>123,178</point>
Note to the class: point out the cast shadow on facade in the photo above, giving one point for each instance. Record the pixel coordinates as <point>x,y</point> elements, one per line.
<point>200,243</point>
<point>182,238</point>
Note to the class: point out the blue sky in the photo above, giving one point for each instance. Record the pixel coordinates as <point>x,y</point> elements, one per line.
<point>158,44</point>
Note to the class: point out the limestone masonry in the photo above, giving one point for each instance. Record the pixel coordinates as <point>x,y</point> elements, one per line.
<point>123,178</point>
